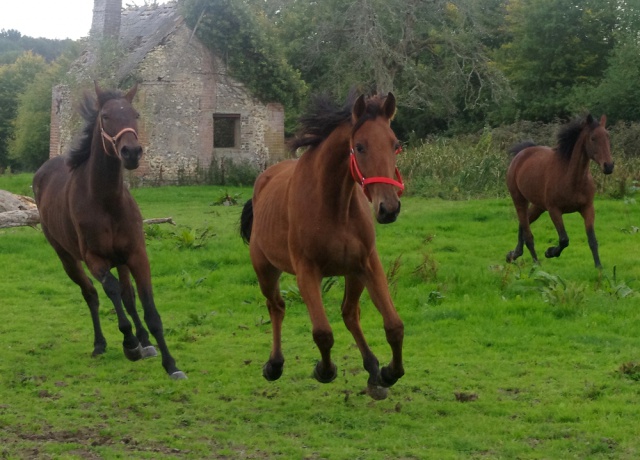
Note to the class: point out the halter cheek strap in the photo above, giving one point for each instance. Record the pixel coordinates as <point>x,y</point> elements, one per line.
<point>360,179</point>
<point>114,140</point>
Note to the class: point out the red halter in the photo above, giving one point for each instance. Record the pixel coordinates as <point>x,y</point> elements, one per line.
<point>113,140</point>
<point>360,179</point>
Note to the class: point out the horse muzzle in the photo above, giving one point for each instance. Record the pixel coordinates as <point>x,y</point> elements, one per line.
<point>131,155</point>
<point>387,213</point>
<point>607,168</point>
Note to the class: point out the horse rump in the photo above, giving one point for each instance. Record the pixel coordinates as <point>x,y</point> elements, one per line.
<point>521,146</point>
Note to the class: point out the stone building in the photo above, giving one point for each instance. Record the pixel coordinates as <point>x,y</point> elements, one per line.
<point>193,114</point>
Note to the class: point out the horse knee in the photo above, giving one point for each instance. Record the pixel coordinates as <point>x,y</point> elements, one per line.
<point>323,338</point>
<point>395,334</point>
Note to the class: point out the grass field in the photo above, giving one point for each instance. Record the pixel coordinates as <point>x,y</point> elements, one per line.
<point>502,361</point>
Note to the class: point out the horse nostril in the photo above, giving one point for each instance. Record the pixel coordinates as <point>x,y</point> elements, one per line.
<point>386,216</point>
<point>131,152</point>
<point>608,168</point>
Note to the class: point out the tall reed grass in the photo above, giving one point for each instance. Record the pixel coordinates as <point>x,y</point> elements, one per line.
<point>474,166</point>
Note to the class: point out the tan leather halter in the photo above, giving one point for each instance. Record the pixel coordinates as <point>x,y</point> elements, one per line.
<point>113,140</point>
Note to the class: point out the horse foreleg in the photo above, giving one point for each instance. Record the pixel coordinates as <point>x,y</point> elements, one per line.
<point>375,281</point>
<point>563,238</point>
<point>129,300</point>
<point>268,278</point>
<point>589,216</point>
<point>351,316</point>
<point>76,273</point>
<point>139,265</point>
<point>99,268</point>
<point>309,284</point>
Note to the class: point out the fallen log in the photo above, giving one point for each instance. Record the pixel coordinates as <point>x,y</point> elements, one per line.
<point>19,218</point>
<point>21,211</point>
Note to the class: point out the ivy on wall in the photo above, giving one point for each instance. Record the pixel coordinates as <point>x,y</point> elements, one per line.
<point>230,29</point>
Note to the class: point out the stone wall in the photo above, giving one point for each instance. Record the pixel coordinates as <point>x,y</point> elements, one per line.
<point>182,85</point>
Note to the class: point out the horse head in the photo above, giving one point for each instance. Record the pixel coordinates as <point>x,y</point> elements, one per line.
<point>597,143</point>
<point>374,147</point>
<point>118,123</point>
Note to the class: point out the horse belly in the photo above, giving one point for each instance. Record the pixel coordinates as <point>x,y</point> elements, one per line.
<point>527,175</point>
<point>50,189</point>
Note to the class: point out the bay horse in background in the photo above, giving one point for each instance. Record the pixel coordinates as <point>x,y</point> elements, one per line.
<point>311,217</point>
<point>88,215</point>
<point>558,180</point>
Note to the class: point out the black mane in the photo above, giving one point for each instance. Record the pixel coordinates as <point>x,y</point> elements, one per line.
<point>569,134</point>
<point>88,110</point>
<point>323,117</point>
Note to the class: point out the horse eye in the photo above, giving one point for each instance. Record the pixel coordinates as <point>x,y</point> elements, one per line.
<point>360,148</point>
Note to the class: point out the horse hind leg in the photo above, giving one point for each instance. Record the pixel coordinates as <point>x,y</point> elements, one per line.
<point>563,238</point>
<point>144,349</point>
<point>526,215</point>
<point>351,317</point>
<point>76,273</point>
<point>268,278</point>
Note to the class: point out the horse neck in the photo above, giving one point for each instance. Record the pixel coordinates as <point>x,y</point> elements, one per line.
<point>106,177</point>
<point>579,162</point>
<point>332,167</point>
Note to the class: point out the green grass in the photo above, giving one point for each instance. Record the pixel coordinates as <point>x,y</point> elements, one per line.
<point>502,361</point>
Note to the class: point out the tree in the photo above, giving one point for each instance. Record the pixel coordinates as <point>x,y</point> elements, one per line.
<point>14,79</point>
<point>431,53</point>
<point>231,29</point>
<point>618,93</point>
<point>555,45</point>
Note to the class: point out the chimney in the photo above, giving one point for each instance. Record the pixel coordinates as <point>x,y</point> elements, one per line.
<point>106,19</point>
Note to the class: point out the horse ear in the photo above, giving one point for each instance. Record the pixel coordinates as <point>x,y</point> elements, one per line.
<point>589,120</point>
<point>389,106</point>
<point>603,120</point>
<point>358,108</point>
<point>131,93</point>
<point>98,89</point>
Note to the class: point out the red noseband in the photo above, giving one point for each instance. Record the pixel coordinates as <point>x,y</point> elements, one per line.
<point>360,179</point>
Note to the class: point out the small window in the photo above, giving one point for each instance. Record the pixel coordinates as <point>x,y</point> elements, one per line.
<point>226,131</point>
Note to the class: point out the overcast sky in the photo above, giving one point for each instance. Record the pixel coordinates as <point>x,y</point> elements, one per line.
<point>51,18</point>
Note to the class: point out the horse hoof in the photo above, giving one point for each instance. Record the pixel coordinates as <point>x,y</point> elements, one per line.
<point>149,352</point>
<point>323,378</point>
<point>133,354</point>
<point>97,352</point>
<point>271,371</point>
<point>386,379</point>
<point>178,375</point>
<point>377,392</point>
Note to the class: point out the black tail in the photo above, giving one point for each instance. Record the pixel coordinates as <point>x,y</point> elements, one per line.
<point>246,221</point>
<point>521,146</point>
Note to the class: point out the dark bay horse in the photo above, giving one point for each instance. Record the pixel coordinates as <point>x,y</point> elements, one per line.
<point>311,217</point>
<point>558,180</point>
<point>88,215</point>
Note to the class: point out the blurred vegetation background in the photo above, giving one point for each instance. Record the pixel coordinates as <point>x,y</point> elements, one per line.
<point>471,78</point>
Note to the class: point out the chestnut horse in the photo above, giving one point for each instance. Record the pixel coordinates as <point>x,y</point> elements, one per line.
<point>88,215</point>
<point>310,217</point>
<point>558,180</point>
